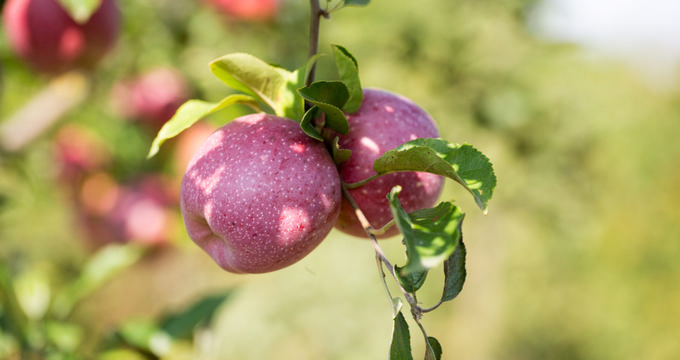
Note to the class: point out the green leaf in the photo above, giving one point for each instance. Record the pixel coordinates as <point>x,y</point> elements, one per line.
<point>330,97</point>
<point>189,113</point>
<point>65,336</point>
<point>145,335</point>
<point>201,313</point>
<point>80,10</point>
<point>454,272</point>
<point>339,155</point>
<point>400,349</point>
<point>10,309</point>
<point>430,235</point>
<point>412,281</point>
<point>307,123</point>
<point>357,2</point>
<point>433,349</point>
<point>348,69</point>
<point>462,163</point>
<point>269,84</point>
<point>101,267</point>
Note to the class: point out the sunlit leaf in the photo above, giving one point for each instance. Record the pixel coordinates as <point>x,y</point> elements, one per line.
<point>144,335</point>
<point>348,69</point>
<point>63,335</point>
<point>189,113</point>
<point>400,349</point>
<point>430,235</point>
<point>268,84</point>
<point>330,97</point>
<point>80,10</point>
<point>462,163</point>
<point>454,272</point>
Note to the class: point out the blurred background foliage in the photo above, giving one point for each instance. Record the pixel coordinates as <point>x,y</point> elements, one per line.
<point>576,259</point>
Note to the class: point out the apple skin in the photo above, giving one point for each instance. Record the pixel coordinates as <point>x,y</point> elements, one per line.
<point>249,10</point>
<point>259,194</point>
<point>43,34</point>
<point>383,122</point>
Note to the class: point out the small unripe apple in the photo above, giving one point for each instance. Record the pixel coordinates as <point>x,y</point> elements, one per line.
<point>259,194</point>
<point>383,122</point>
<point>251,10</point>
<point>43,34</point>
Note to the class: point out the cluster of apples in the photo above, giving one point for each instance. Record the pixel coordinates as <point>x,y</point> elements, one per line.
<point>259,194</point>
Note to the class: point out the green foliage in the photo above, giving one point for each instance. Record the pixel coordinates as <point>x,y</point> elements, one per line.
<point>348,69</point>
<point>400,349</point>
<point>462,163</point>
<point>433,350</point>
<point>430,235</point>
<point>192,111</point>
<point>454,272</point>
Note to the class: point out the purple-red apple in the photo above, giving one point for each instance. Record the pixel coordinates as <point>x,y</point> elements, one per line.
<point>151,98</point>
<point>78,151</point>
<point>140,211</point>
<point>259,194</point>
<point>250,10</point>
<point>383,122</point>
<point>43,34</point>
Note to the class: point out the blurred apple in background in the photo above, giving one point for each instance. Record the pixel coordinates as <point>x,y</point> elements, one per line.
<point>140,211</point>
<point>44,35</point>
<point>78,151</point>
<point>151,98</point>
<point>249,10</point>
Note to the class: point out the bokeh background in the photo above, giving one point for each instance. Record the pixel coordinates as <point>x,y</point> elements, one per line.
<point>577,257</point>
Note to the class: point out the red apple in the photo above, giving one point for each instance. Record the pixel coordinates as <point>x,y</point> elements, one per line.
<point>259,194</point>
<point>383,122</point>
<point>252,10</point>
<point>140,211</point>
<point>78,151</point>
<point>153,97</point>
<point>43,34</point>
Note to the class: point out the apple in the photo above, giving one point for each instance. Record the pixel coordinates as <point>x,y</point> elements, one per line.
<point>384,121</point>
<point>77,152</point>
<point>259,194</point>
<point>251,10</point>
<point>43,34</point>
<point>151,98</point>
<point>139,211</point>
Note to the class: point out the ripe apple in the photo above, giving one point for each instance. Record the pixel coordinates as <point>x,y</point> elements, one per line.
<point>259,194</point>
<point>43,34</point>
<point>151,98</point>
<point>252,10</point>
<point>139,211</point>
<point>383,122</point>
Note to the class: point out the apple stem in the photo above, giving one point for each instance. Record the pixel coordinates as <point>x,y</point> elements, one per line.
<point>314,28</point>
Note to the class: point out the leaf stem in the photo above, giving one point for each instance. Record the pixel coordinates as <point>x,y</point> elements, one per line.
<point>363,182</point>
<point>380,255</point>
